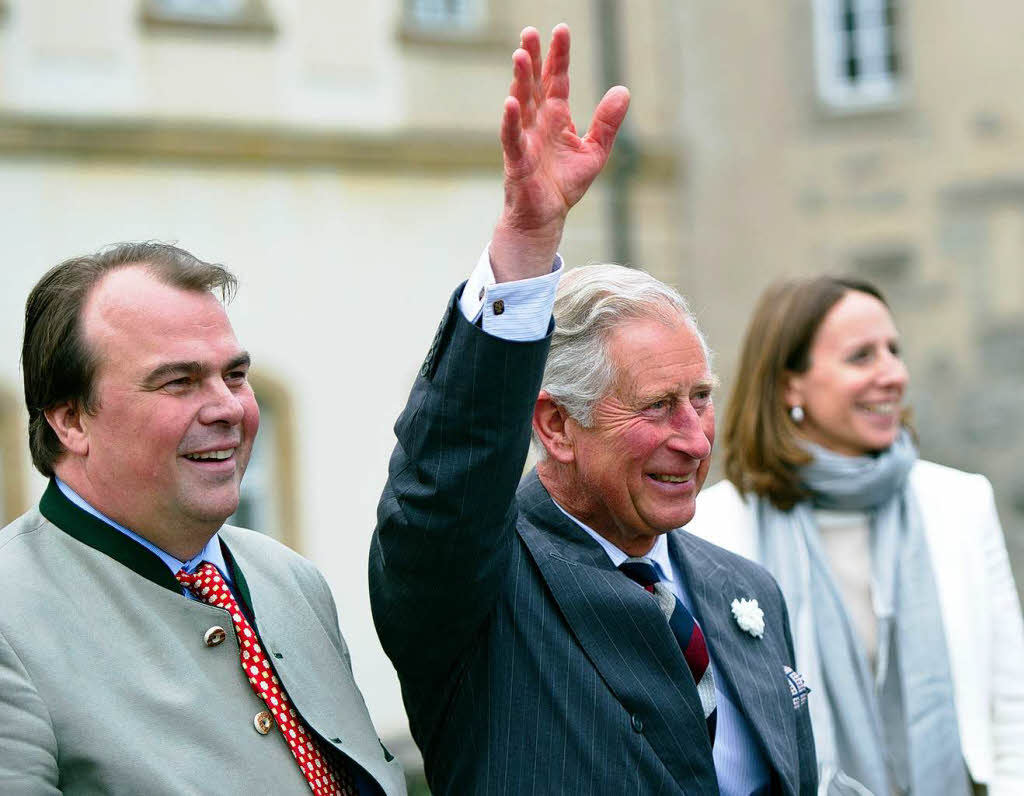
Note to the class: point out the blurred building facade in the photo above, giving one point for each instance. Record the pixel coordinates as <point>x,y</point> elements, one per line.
<point>342,159</point>
<point>882,138</point>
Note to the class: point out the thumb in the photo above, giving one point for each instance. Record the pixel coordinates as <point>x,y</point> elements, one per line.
<point>608,117</point>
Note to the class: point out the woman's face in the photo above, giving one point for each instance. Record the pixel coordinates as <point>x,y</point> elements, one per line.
<point>852,394</point>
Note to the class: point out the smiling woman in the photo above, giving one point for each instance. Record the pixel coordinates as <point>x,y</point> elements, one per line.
<point>903,609</point>
<point>849,388</point>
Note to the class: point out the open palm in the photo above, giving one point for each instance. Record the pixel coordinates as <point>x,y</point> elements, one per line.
<point>548,167</point>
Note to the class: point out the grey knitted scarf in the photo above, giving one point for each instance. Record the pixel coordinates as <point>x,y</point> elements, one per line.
<point>896,732</point>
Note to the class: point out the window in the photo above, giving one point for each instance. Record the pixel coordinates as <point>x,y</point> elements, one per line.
<point>267,502</point>
<point>467,25</point>
<point>450,16</point>
<point>857,51</point>
<point>236,15</point>
<point>201,9</point>
<point>258,502</point>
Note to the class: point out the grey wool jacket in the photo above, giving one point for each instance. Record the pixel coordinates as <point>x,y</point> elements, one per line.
<point>107,686</point>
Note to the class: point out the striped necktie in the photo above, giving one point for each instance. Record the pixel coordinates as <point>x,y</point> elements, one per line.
<point>326,774</point>
<point>686,630</point>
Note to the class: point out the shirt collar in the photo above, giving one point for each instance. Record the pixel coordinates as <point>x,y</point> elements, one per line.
<point>211,552</point>
<point>658,554</point>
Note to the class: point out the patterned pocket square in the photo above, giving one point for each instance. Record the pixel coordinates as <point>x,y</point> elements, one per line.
<point>797,688</point>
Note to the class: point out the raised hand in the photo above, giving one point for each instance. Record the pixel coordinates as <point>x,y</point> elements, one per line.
<point>548,167</point>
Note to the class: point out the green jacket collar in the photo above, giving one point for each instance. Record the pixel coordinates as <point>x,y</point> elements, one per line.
<point>95,533</point>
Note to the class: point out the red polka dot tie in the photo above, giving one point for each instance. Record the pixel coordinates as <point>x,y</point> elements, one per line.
<point>324,777</point>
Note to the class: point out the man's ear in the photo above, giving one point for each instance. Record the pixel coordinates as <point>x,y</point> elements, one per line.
<point>66,420</point>
<point>550,425</point>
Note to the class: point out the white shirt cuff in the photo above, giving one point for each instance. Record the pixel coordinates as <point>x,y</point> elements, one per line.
<point>519,310</point>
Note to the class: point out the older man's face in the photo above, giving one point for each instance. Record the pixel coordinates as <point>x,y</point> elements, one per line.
<point>176,417</point>
<point>645,458</point>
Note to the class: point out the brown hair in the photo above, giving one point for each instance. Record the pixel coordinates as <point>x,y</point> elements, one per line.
<point>57,364</point>
<point>762,449</point>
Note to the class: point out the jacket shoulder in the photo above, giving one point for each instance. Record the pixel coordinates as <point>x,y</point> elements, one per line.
<point>721,497</point>
<point>931,477</point>
<point>272,569</point>
<point>259,546</point>
<point>257,541</point>
<point>739,566</point>
<point>725,518</point>
<point>30,521</point>
<point>21,539</point>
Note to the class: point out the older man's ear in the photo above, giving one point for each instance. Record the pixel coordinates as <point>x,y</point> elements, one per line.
<point>551,425</point>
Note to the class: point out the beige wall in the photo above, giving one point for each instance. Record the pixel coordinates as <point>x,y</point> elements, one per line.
<point>926,198</point>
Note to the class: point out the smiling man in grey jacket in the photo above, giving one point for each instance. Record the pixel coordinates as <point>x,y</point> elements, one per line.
<point>129,608</point>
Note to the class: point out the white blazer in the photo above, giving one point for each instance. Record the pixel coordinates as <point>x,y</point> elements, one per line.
<point>981,611</point>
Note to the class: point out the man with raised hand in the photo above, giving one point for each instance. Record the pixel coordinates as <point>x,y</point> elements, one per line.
<point>558,637</point>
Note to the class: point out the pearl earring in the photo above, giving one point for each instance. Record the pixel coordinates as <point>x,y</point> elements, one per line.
<point>797,413</point>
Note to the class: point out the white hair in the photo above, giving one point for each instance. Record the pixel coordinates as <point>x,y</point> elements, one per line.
<point>591,301</point>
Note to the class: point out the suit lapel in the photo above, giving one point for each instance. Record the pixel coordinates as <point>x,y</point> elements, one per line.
<point>752,666</point>
<point>622,631</point>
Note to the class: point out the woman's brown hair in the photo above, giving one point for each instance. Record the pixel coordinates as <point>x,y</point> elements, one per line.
<point>763,453</point>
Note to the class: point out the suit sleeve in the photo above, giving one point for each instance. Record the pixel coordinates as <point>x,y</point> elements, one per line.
<point>1007,707</point>
<point>446,518</point>
<point>28,747</point>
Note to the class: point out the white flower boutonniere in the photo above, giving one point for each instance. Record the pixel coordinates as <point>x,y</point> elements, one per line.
<point>749,616</point>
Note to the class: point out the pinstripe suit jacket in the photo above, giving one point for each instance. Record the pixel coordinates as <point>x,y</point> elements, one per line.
<point>528,663</point>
